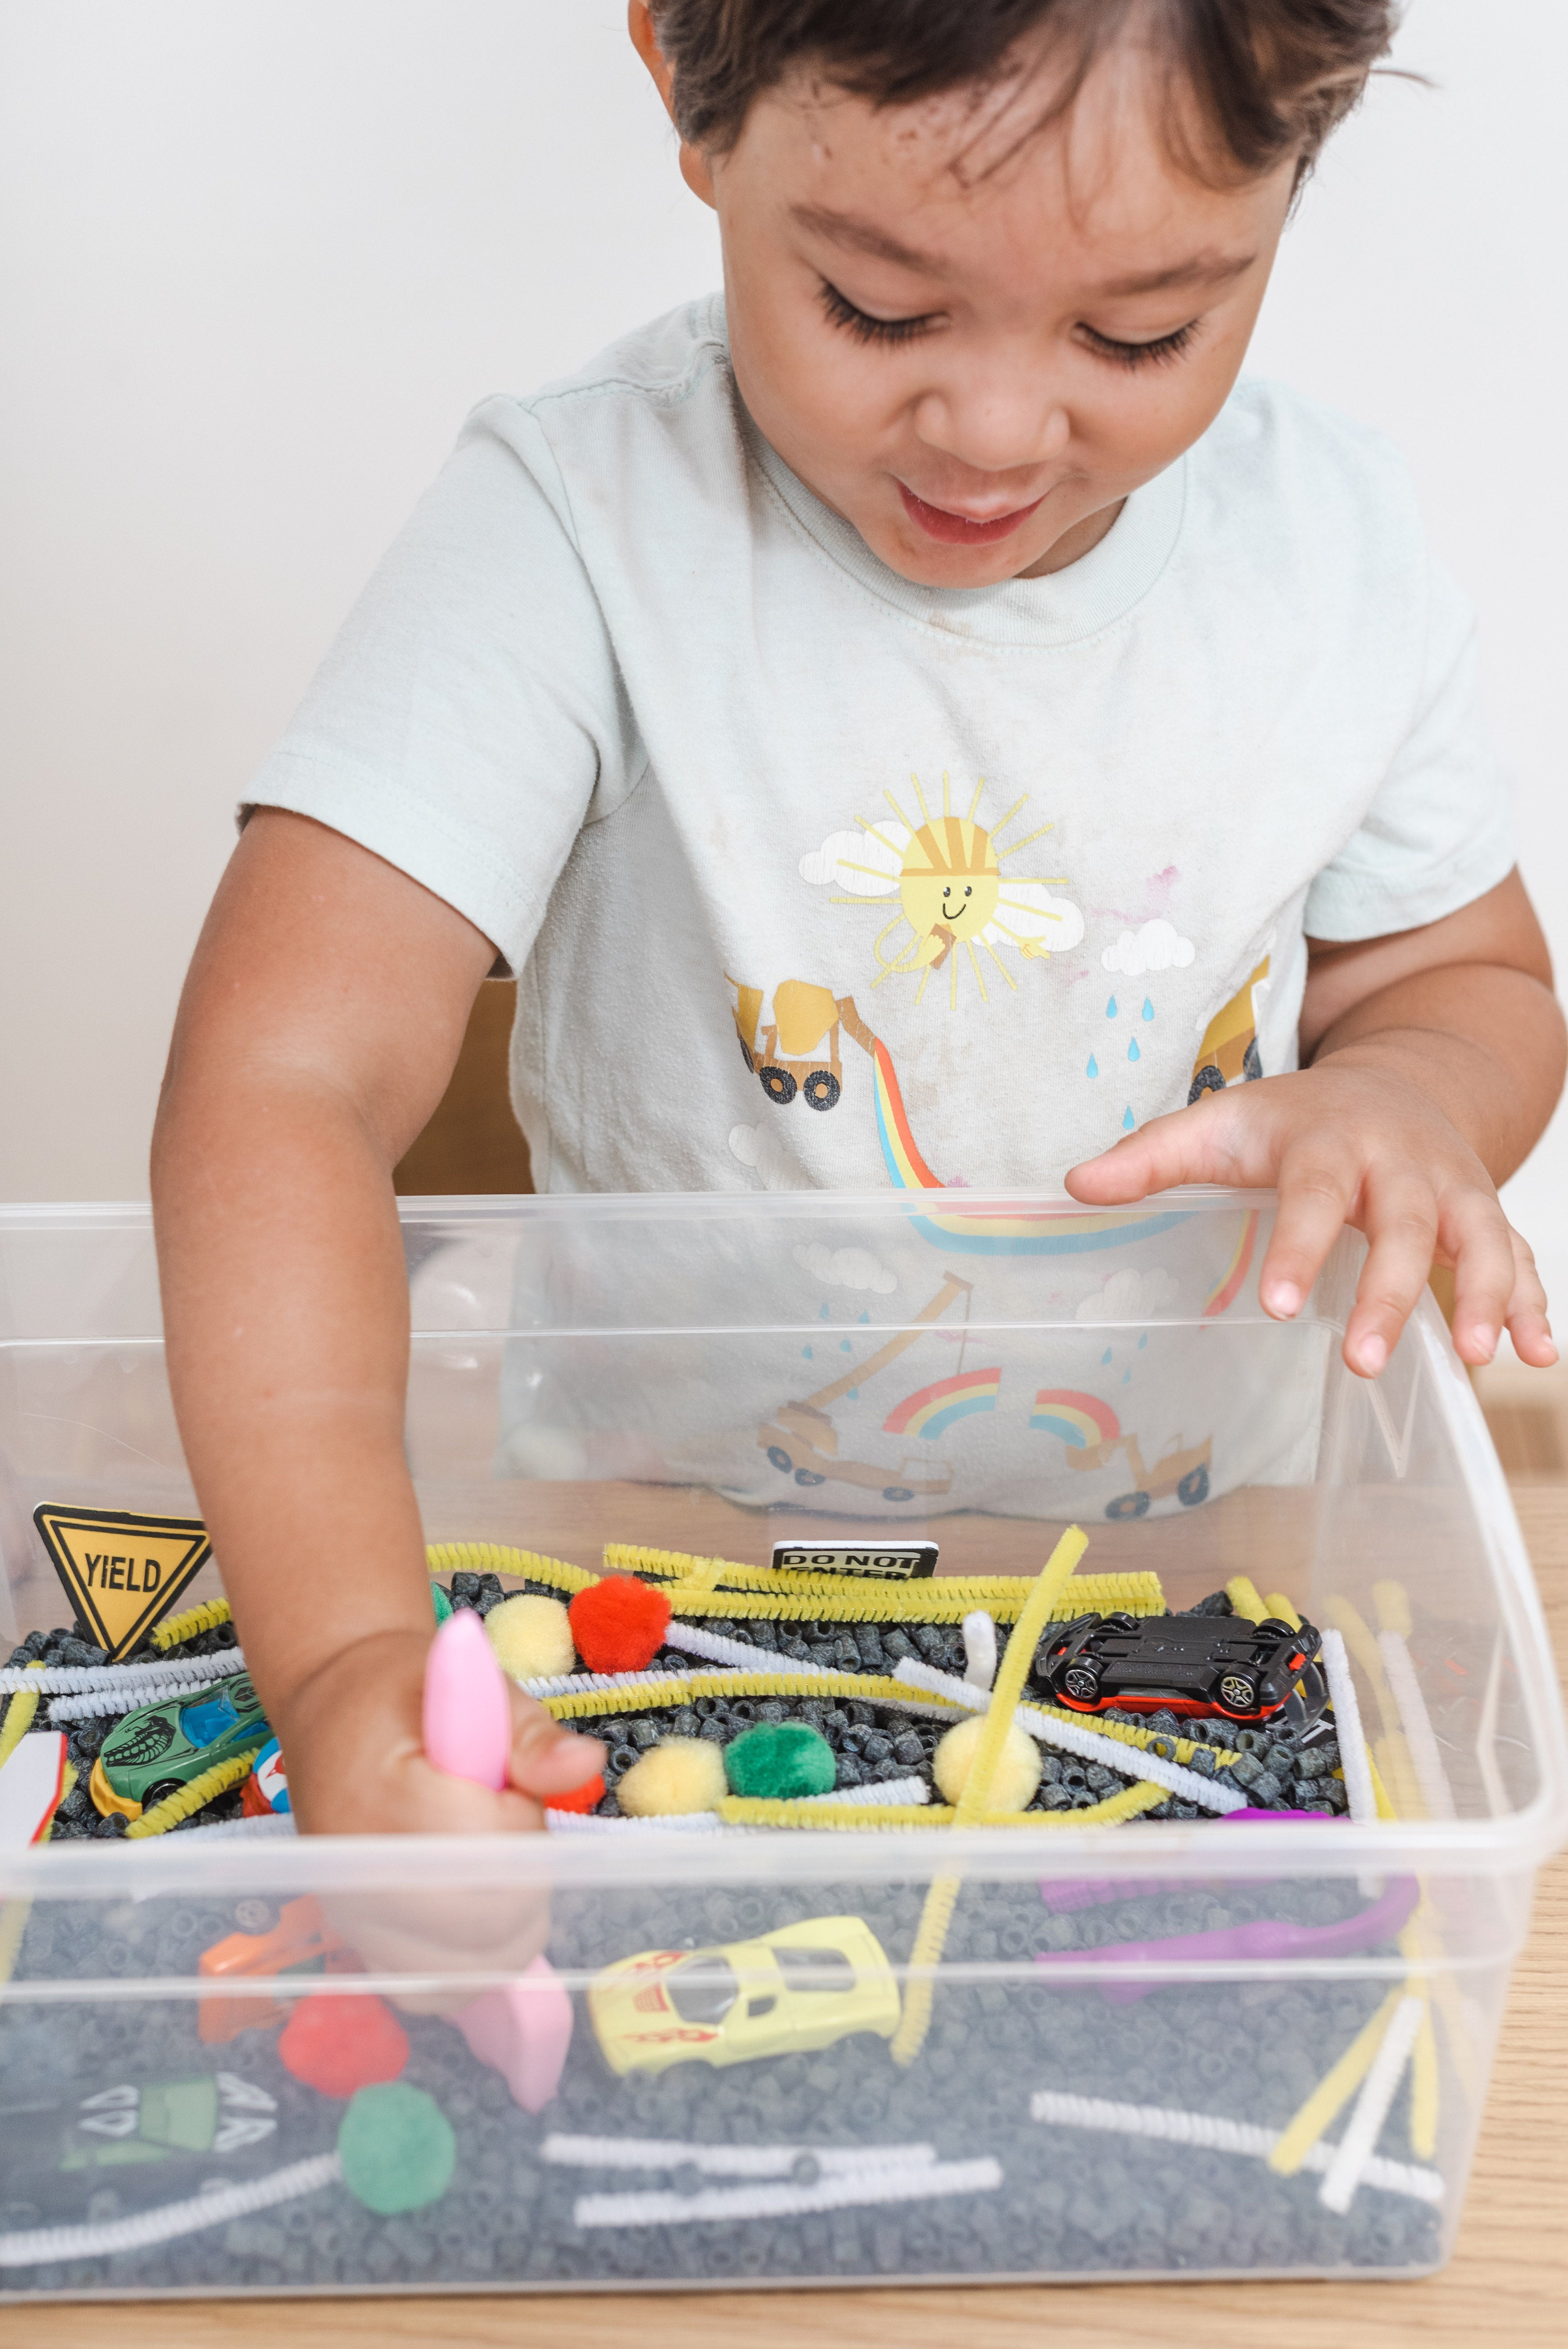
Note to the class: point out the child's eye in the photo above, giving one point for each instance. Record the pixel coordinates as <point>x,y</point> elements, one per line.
<point>867,329</point>
<point>1136,355</point>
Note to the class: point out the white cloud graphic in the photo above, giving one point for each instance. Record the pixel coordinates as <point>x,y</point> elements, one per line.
<point>866,863</point>
<point>764,1149</point>
<point>1130,1296</point>
<point>1156,946</point>
<point>846,1268</point>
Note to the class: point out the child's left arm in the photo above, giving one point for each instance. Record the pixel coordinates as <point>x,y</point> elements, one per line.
<point>1431,1061</point>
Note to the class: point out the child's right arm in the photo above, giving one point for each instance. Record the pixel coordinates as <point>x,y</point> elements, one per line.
<point>322,1014</point>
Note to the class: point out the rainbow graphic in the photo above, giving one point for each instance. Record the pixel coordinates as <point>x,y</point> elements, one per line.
<point>1228,1284</point>
<point>1083,1420</point>
<point>930,1410</point>
<point>1031,1231</point>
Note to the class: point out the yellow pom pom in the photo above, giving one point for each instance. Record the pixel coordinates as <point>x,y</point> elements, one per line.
<point>532,1637</point>
<point>683,1774</point>
<point>1017,1772</point>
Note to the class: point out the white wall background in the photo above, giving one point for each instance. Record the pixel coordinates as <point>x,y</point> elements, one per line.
<point>257,261</point>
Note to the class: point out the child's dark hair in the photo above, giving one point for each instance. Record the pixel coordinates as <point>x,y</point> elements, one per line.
<point>1271,78</point>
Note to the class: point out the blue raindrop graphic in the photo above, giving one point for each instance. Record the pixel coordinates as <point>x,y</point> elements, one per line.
<point>1127,1121</point>
<point>1132,1052</point>
<point>1143,1341</point>
<point>1093,1068</point>
<point>864,1315</point>
<point>852,1395</point>
<point>1147,1009</point>
<point>844,1346</point>
<point>1105,1357</point>
<point>823,1313</point>
<point>1111,1009</point>
<point>805,1354</point>
<point>1125,1376</point>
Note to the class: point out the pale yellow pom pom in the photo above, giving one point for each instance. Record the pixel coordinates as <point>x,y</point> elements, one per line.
<point>532,1637</point>
<point>683,1774</point>
<point>1017,1773</point>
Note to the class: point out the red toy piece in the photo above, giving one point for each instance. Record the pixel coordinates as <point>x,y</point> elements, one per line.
<point>336,2046</point>
<point>577,1798</point>
<point>619,1624</point>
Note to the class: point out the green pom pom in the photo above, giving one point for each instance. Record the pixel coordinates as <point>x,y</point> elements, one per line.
<point>441,1602</point>
<point>397,2149</point>
<point>779,1759</point>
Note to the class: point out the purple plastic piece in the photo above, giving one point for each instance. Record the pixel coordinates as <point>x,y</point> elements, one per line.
<point>1270,1939</point>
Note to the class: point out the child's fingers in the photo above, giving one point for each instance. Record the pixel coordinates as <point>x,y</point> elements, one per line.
<point>1526,1317</point>
<point>1189,1146</point>
<point>1315,1195</point>
<point>1401,1225</point>
<point>546,1757</point>
<point>1487,1273</point>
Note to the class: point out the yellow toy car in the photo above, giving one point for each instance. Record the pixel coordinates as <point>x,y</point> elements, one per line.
<point>785,1994</point>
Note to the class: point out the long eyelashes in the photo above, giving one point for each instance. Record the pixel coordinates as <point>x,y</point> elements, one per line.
<point>842,312</point>
<point>865,328</point>
<point>1136,355</point>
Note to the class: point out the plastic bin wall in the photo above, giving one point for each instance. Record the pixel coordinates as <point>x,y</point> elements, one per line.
<point>712,1375</point>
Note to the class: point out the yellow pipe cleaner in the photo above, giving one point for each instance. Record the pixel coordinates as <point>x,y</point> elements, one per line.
<point>1243,1594</point>
<point>651,1696</point>
<point>204,1618</point>
<point>1278,1604</point>
<point>194,1798</point>
<point>493,1557</point>
<point>1132,1594</point>
<point>975,1801</point>
<point>756,1812</point>
<point>20,1716</point>
<point>1332,2092</point>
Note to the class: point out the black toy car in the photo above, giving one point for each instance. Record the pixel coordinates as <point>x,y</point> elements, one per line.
<point>1187,1664</point>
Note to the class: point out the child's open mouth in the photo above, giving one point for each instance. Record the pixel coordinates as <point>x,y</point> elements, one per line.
<point>958,530</point>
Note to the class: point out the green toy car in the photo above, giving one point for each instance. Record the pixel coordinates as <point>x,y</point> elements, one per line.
<point>158,1749</point>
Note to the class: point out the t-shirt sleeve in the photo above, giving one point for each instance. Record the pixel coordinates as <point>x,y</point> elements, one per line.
<point>470,717</point>
<point>1439,833</point>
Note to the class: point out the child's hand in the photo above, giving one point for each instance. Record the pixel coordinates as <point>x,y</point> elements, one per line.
<point>1353,1141</point>
<point>357,1765</point>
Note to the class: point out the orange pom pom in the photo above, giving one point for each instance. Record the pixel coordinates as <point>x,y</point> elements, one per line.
<point>619,1624</point>
<point>577,1798</point>
<point>338,2046</point>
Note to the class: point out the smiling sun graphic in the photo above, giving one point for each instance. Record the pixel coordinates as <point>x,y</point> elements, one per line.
<point>955,899</point>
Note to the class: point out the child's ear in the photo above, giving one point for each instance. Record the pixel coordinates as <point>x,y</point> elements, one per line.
<point>644,35</point>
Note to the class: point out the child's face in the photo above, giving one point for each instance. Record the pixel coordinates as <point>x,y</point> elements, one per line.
<point>976,366</point>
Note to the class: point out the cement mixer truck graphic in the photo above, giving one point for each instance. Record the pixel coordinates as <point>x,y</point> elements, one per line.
<point>795,1049</point>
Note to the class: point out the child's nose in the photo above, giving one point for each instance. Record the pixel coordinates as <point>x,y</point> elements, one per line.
<point>997,427</point>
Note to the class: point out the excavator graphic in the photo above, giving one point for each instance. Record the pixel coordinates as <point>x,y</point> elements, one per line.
<point>802,1441</point>
<point>1180,1469</point>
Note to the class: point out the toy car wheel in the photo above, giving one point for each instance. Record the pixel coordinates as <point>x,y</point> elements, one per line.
<point>1251,1064</point>
<point>821,1090</point>
<point>1238,1692</point>
<point>778,1085</point>
<point>897,1493</point>
<point>781,1458</point>
<point>1206,1079</point>
<point>1193,1487</point>
<point>808,1477</point>
<point>1082,1681</point>
<point>745,1055</point>
<point>160,1792</point>
<point>1128,1505</point>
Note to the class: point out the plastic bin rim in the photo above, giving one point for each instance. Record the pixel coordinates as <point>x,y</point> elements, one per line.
<point>671,1205</point>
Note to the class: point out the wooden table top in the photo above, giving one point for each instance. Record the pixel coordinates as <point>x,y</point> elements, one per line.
<point>1507,2280</point>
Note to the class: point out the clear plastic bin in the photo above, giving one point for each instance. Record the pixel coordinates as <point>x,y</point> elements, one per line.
<point>1098,2091</point>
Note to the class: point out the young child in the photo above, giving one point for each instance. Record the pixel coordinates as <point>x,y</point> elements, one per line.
<point>930,632</point>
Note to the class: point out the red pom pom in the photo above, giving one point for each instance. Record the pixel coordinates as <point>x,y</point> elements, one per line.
<point>339,2044</point>
<point>578,1798</point>
<point>619,1624</point>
